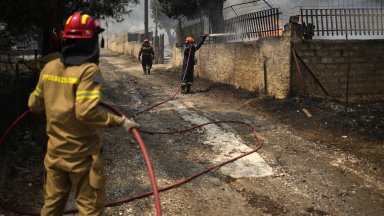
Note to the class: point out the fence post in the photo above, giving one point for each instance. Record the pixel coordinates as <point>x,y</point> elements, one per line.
<point>157,50</point>
<point>162,48</point>
<point>17,89</point>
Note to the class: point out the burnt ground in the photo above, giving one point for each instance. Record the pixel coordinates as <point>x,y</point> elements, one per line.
<point>326,164</point>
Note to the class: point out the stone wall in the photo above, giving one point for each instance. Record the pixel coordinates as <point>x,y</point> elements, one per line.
<point>177,57</point>
<point>259,66</point>
<point>120,44</point>
<point>267,66</point>
<point>330,61</point>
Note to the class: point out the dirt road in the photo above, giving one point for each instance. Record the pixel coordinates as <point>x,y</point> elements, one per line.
<point>307,166</point>
<point>294,176</point>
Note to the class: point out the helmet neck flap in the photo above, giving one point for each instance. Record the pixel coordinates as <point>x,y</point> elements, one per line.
<point>76,52</point>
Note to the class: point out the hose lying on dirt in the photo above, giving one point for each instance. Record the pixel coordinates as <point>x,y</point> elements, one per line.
<point>150,170</point>
<point>172,96</point>
<point>155,189</point>
<point>139,140</point>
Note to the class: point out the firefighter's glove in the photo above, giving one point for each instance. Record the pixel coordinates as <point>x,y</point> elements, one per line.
<point>128,124</point>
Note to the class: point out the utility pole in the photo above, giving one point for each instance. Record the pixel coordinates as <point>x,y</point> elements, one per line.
<point>156,21</point>
<point>146,19</point>
<point>106,23</point>
<point>156,34</point>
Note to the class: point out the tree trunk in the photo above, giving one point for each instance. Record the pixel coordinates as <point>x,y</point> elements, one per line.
<point>171,39</point>
<point>216,18</point>
<point>179,34</point>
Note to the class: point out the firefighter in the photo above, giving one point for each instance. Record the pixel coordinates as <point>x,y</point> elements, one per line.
<point>68,92</point>
<point>146,55</point>
<point>186,75</point>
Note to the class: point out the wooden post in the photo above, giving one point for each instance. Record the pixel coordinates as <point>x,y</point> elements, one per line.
<point>299,71</point>
<point>146,19</point>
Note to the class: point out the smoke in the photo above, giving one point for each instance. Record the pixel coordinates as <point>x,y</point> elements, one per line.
<point>132,23</point>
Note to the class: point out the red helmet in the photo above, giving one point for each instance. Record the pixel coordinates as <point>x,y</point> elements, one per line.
<point>82,26</point>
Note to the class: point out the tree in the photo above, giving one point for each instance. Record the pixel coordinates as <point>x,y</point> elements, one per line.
<point>22,16</point>
<point>196,8</point>
<point>162,20</point>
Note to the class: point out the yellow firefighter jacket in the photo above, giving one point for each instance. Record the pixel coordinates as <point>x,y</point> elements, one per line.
<point>38,65</point>
<point>41,62</point>
<point>70,98</point>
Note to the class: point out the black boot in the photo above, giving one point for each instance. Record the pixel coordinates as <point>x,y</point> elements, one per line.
<point>149,71</point>
<point>188,89</point>
<point>183,89</point>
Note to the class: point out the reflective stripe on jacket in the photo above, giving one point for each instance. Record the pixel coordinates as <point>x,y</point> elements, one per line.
<point>70,98</point>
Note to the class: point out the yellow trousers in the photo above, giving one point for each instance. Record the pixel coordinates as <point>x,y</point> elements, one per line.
<point>83,175</point>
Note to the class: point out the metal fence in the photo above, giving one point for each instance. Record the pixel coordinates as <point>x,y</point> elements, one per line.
<point>251,26</point>
<point>336,22</point>
<point>255,25</point>
<point>192,28</point>
<point>249,20</point>
<point>16,48</point>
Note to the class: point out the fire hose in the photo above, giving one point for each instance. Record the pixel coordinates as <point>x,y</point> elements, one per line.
<point>155,190</point>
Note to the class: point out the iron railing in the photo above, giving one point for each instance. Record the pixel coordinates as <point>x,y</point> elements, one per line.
<point>192,28</point>
<point>251,26</point>
<point>336,22</point>
<point>255,25</point>
<point>247,7</point>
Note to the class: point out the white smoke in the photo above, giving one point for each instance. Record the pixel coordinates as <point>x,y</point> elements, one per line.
<point>132,23</point>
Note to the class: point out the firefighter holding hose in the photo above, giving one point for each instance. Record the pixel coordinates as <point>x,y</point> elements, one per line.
<point>186,75</point>
<point>68,92</point>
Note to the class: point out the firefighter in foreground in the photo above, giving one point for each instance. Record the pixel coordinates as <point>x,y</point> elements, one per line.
<point>189,63</point>
<point>69,91</point>
<point>146,55</point>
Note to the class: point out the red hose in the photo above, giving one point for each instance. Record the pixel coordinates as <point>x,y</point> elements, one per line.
<point>173,96</point>
<point>147,161</point>
<point>13,125</point>
<point>155,189</point>
<point>139,141</point>
<point>150,171</point>
<point>258,145</point>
